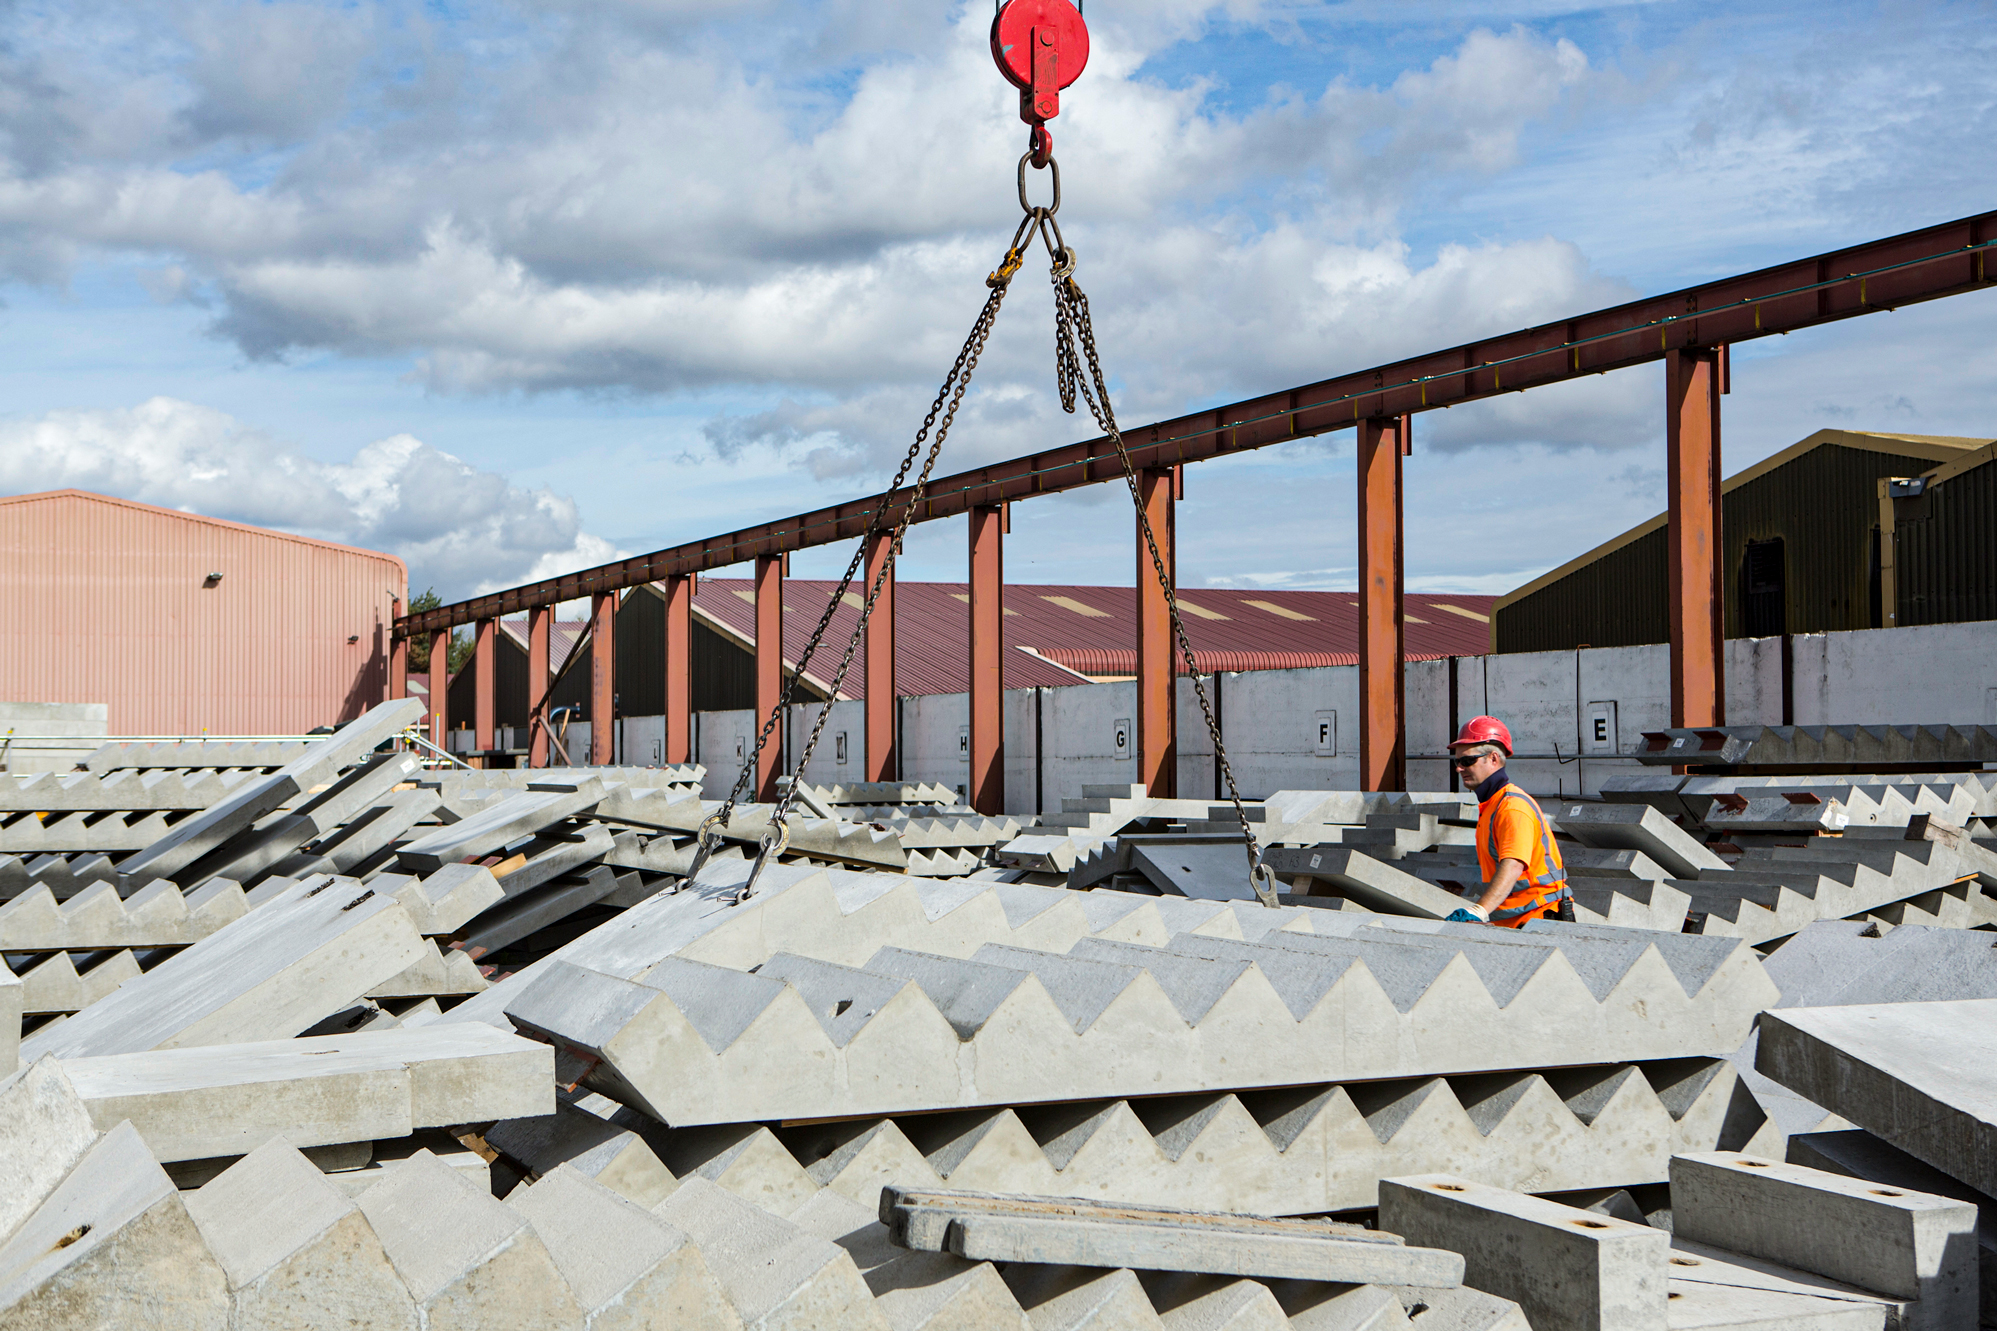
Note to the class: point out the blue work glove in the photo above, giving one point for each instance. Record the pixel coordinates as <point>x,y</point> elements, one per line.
<point>1465,915</point>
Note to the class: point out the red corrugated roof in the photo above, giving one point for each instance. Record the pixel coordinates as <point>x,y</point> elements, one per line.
<point>562,636</point>
<point>1055,634</point>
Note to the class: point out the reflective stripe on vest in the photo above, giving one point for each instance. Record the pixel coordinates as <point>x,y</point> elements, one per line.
<point>1532,892</point>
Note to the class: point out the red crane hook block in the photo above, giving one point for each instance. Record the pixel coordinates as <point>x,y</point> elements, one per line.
<point>1041,47</point>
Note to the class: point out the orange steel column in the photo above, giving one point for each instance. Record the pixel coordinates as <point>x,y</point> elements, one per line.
<point>603,679</point>
<point>485,685</point>
<point>986,789</point>
<point>883,762</point>
<point>1157,655</point>
<point>398,656</point>
<point>679,669</point>
<point>1382,670</point>
<point>1692,469</point>
<point>769,670</point>
<point>539,621</point>
<point>440,688</point>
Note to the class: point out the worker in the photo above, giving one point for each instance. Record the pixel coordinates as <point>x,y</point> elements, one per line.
<point>1523,877</point>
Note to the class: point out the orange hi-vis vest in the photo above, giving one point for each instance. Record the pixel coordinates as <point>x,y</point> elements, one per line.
<point>1510,826</point>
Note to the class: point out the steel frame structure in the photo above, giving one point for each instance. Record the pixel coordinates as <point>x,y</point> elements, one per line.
<point>1688,329</point>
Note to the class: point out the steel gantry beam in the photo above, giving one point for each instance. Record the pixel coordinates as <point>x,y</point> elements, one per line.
<point>883,761</point>
<point>1927,264</point>
<point>769,670</point>
<point>1157,654</point>
<point>603,679</point>
<point>1383,730</point>
<point>1693,382</point>
<point>678,700</point>
<point>540,622</point>
<point>985,786</point>
<point>440,687</point>
<point>485,688</point>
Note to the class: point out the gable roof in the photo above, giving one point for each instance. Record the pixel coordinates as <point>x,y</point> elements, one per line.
<point>45,496</point>
<point>1926,447</point>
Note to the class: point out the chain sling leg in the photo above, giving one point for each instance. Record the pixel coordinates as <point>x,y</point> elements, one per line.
<point>1071,323</point>
<point>942,413</point>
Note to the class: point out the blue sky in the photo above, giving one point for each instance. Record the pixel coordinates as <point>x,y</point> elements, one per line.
<point>512,288</point>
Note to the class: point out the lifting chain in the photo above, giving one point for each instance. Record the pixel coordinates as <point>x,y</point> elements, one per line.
<point>1072,324</point>
<point>942,413</point>
<point>1072,327</point>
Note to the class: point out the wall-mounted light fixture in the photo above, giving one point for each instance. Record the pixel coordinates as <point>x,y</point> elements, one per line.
<point>213,579</point>
<point>353,638</point>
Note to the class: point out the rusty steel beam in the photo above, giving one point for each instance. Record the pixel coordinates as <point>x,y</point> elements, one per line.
<point>679,669</point>
<point>1928,264</point>
<point>603,679</point>
<point>1383,728</point>
<point>1692,473</point>
<point>883,762</point>
<point>540,621</point>
<point>1157,655</point>
<point>985,790</point>
<point>485,686</point>
<point>769,670</point>
<point>440,687</point>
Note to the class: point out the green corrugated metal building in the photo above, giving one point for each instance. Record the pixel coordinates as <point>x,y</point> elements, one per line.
<point>1801,537</point>
<point>1941,565</point>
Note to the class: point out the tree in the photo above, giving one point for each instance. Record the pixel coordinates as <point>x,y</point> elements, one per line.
<point>419,645</point>
<point>462,645</point>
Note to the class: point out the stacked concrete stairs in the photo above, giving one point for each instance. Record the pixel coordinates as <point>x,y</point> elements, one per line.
<point>1769,894</point>
<point>64,875</point>
<point>1851,747</point>
<point>845,916</point>
<point>92,1227</point>
<point>131,790</point>
<point>116,939</point>
<point>690,1042</point>
<point>935,1289</point>
<point>1084,824</point>
<point>1690,798</point>
<point>197,755</point>
<point>1293,1151</point>
<point>880,794</point>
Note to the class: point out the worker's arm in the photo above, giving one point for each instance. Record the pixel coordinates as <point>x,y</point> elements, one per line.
<point>1501,885</point>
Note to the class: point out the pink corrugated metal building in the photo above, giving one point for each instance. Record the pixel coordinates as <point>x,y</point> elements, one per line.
<point>1057,635</point>
<point>184,624</point>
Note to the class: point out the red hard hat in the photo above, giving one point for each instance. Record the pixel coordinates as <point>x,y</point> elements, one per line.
<point>1483,730</point>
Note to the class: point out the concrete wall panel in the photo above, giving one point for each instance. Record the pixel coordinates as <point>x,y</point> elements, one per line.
<point>1575,716</point>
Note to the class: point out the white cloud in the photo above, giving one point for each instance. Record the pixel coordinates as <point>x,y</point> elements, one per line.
<point>636,208</point>
<point>460,528</point>
<point>789,205</point>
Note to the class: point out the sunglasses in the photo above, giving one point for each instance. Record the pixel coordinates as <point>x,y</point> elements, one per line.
<point>1465,764</point>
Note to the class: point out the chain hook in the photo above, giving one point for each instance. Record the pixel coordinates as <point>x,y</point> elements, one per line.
<point>773,843</point>
<point>1013,259</point>
<point>1040,146</point>
<point>706,841</point>
<point>1263,879</point>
